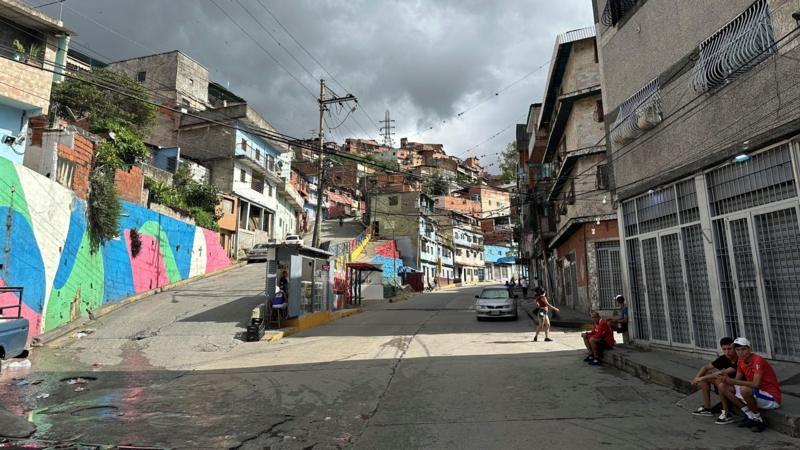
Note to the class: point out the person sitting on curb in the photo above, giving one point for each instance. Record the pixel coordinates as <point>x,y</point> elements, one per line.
<point>542,319</point>
<point>754,388</point>
<point>706,378</point>
<point>597,340</point>
<point>619,322</point>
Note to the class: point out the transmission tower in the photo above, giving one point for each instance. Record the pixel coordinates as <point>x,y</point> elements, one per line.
<point>387,130</point>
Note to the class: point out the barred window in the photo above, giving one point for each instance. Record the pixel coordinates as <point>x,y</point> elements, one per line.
<point>615,11</point>
<point>639,113</point>
<point>733,50</point>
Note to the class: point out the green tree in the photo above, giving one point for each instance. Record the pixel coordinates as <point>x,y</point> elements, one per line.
<point>82,97</point>
<point>100,98</point>
<point>437,185</point>
<point>509,163</point>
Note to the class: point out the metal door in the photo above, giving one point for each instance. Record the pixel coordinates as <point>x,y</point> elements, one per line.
<point>654,289</point>
<point>674,289</point>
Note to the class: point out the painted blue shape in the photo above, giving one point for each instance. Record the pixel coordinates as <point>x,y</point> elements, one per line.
<point>24,266</point>
<point>117,271</point>
<point>72,245</point>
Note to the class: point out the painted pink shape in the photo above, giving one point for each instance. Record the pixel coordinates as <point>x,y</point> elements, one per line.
<point>215,255</point>
<point>34,319</point>
<point>148,267</point>
<point>388,249</point>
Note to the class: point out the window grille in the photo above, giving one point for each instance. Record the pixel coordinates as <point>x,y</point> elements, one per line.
<point>778,235</point>
<point>639,113</point>
<point>637,301</point>
<point>727,285</point>
<point>765,178</point>
<point>65,172</point>
<point>674,289</point>
<point>747,278</point>
<point>687,202</point>
<point>697,284</point>
<point>733,50</point>
<point>609,273</point>
<point>571,193</point>
<point>629,218</point>
<point>602,177</point>
<point>657,210</point>
<point>393,200</point>
<point>615,11</point>
<point>257,184</point>
<point>655,299</point>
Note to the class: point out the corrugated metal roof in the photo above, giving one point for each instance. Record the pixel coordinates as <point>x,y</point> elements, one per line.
<point>575,35</point>
<point>563,38</point>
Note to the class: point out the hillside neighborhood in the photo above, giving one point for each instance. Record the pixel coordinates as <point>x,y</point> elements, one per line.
<point>158,223</point>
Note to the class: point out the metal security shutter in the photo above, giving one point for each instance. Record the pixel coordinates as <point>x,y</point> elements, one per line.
<point>778,237</point>
<point>676,294</point>
<point>609,273</point>
<point>571,281</point>
<point>747,282</point>
<point>726,282</point>
<point>637,301</point>
<point>697,282</point>
<point>655,299</point>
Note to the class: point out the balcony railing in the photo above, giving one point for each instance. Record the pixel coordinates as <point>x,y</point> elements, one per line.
<point>736,48</point>
<point>640,112</point>
<point>615,11</point>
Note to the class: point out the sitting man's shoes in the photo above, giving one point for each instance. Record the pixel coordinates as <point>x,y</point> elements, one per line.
<point>725,419</point>
<point>758,426</point>
<point>747,423</point>
<point>594,362</point>
<point>587,359</point>
<point>703,411</point>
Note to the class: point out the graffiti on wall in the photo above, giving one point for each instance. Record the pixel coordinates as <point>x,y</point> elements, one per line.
<point>44,248</point>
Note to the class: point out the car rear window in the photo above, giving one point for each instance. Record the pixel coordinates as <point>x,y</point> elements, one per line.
<point>494,293</point>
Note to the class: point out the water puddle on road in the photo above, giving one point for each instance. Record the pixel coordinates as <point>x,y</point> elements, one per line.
<point>97,411</point>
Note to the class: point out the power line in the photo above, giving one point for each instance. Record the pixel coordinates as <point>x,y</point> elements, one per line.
<point>267,52</point>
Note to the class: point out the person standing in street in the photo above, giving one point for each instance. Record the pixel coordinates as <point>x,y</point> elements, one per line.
<point>754,388</point>
<point>523,282</point>
<point>542,318</point>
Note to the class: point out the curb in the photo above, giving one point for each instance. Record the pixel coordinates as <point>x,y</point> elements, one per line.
<point>53,335</point>
<point>277,335</point>
<point>555,322</point>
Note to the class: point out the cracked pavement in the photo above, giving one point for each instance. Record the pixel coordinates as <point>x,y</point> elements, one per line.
<point>422,373</point>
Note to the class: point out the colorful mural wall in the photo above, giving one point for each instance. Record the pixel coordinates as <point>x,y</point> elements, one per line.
<point>46,250</point>
<point>388,255</point>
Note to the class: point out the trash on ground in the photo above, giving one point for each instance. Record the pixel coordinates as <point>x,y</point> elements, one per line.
<point>78,380</point>
<point>84,333</point>
<point>43,395</point>
<point>20,364</point>
<point>20,382</point>
<point>80,388</point>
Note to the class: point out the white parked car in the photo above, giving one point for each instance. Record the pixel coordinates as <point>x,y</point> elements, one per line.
<point>495,301</point>
<point>293,239</point>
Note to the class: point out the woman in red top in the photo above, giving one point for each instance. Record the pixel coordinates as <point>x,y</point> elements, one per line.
<point>542,319</point>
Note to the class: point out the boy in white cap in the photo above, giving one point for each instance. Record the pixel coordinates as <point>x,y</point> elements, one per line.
<point>755,386</point>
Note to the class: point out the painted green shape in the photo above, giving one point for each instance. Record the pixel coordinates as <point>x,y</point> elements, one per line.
<point>9,178</point>
<point>82,292</point>
<point>152,228</point>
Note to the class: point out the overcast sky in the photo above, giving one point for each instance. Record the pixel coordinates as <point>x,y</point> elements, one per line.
<point>425,61</point>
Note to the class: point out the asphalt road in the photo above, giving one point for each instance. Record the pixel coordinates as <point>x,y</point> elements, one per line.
<point>417,374</point>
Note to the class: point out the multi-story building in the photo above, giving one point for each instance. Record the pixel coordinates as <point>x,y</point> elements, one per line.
<point>446,264</point>
<point>461,204</point>
<point>226,135</point>
<point>407,217</point>
<point>29,42</point>
<point>700,105</point>
<point>467,241</point>
<point>499,263</point>
<point>247,165</point>
<point>585,247</point>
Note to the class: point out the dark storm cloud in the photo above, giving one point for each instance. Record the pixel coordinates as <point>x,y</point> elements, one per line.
<point>426,61</point>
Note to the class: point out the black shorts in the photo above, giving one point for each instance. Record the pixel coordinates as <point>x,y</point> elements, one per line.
<point>603,345</point>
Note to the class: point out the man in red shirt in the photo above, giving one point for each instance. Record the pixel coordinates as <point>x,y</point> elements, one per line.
<point>598,339</point>
<point>755,386</point>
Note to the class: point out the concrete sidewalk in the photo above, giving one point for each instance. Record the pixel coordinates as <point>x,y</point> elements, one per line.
<point>675,370</point>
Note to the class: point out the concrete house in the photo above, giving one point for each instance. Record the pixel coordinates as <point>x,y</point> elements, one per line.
<point>467,240</point>
<point>584,249</point>
<point>700,104</point>
<point>26,78</point>
<point>224,138</point>
<point>408,217</point>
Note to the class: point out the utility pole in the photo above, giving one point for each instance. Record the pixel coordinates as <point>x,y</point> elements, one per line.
<point>321,167</point>
<point>387,130</point>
